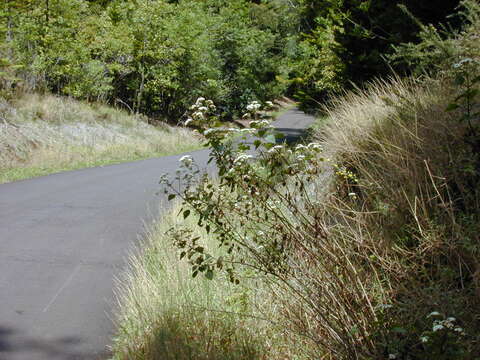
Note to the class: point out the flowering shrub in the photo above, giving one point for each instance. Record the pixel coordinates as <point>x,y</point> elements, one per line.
<point>254,209</point>
<point>443,339</point>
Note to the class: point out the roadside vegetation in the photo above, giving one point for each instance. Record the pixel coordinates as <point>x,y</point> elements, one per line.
<point>43,134</point>
<point>360,245</point>
<point>157,57</point>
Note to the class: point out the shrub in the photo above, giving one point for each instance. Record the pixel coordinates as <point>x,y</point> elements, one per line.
<point>355,270</point>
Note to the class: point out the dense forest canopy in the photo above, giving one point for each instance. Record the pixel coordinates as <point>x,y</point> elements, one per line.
<point>156,56</point>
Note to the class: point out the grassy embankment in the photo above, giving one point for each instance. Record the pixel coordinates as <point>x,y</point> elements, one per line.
<point>44,134</point>
<point>381,259</point>
<point>402,239</point>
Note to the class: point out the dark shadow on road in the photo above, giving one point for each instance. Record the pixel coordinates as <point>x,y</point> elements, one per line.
<point>291,135</point>
<point>17,346</point>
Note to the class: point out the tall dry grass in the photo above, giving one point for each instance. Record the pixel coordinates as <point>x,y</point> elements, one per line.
<point>400,234</point>
<point>42,134</point>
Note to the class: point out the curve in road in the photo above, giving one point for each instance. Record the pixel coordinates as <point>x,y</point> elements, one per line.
<point>64,238</point>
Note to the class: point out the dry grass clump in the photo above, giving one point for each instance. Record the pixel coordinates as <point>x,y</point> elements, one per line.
<point>400,230</point>
<point>42,134</point>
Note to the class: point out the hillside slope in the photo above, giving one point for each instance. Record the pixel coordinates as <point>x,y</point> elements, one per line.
<point>42,134</point>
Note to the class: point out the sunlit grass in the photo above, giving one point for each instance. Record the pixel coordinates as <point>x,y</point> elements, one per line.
<point>48,134</point>
<point>166,314</point>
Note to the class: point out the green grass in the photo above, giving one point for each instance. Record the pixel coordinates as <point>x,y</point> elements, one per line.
<point>44,134</point>
<point>83,158</point>
<point>166,314</point>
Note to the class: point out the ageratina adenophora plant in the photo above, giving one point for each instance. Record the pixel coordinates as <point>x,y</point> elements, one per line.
<point>258,203</point>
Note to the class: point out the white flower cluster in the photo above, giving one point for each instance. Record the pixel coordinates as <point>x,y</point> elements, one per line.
<point>200,110</point>
<point>312,147</point>
<point>258,124</point>
<point>242,158</point>
<point>254,106</point>
<point>246,131</point>
<point>276,149</point>
<point>186,161</point>
<point>445,324</point>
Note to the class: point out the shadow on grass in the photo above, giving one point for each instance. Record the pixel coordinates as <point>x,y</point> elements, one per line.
<point>197,336</point>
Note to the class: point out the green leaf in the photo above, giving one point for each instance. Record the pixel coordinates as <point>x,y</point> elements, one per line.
<point>209,274</point>
<point>459,80</point>
<point>279,136</point>
<point>452,106</point>
<point>270,138</point>
<point>399,330</point>
<point>171,197</point>
<point>186,213</point>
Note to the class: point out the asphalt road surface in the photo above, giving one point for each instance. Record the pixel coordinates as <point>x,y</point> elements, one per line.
<point>64,238</point>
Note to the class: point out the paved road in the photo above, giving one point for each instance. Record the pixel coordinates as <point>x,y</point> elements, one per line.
<point>63,239</point>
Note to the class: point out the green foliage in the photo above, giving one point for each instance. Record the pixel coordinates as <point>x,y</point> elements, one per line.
<point>440,48</point>
<point>252,194</point>
<point>155,57</point>
<point>346,42</point>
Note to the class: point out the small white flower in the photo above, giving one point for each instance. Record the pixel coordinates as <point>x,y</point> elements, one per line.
<point>275,149</point>
<point>424,339</point>
<point>200,100</point>
<point>434,313</point>
<point>437,327</point>
<point>458,329</point>
<point>300,147</point>
<point>203,108</point>
<point>392,356</point>
<point>189,121</point>
<point>208,132</point>
<point>247,131</point>
<point>198,115</point>
<point>314,146</point>
<point>241,158</point>
<point>451,319</point>
<point>186,160</point>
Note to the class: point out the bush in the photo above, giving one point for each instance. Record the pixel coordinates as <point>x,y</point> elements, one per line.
<point>155,57</point>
